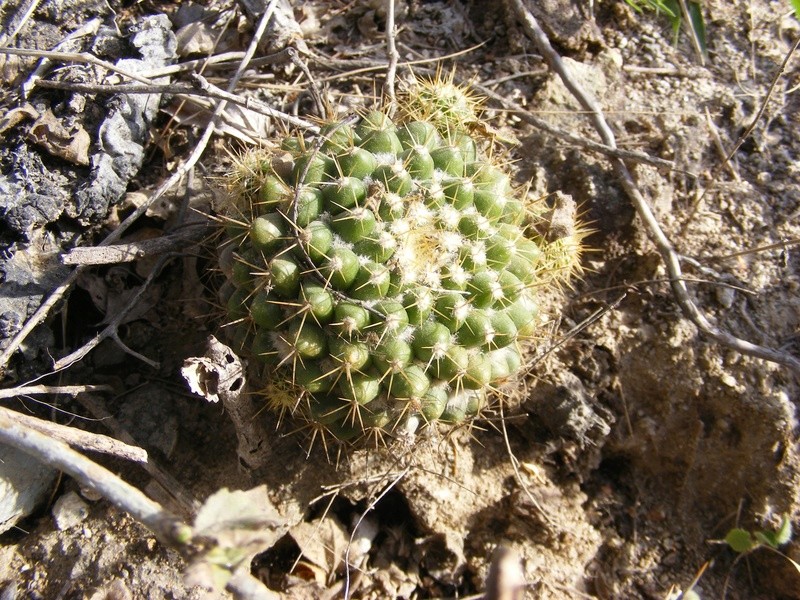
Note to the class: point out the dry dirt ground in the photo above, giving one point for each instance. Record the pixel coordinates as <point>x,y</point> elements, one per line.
<point>623,454</point>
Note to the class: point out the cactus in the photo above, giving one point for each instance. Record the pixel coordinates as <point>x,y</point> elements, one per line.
<point>385,273</point>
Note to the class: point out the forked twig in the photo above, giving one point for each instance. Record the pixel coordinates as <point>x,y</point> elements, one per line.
<point>111,330</point>
<point>668,255</point>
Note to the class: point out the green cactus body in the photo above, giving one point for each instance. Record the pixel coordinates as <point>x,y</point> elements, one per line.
<point>386,273</point>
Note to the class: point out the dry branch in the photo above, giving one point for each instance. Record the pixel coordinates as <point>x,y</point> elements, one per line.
<point>124,496</point>
<point>184,500</point>
<point>69,390</point>
<point>668,254</point>
<point>111,330</point>
<point>85,440</point>
<point>199,87</point>
<point>57,294</point>
<point>122,253</point>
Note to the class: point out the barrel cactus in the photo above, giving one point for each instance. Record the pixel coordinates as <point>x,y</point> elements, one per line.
<point>385,272</point>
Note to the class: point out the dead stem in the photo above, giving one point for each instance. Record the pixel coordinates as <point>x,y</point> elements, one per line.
<point>393,55</point>
<point>199,87</point>
<point>124,496</point>
<point>26,11</point>
<point>182,501</point>
<point>69,390</point>
<point>668,255</point>
<point>316,93</point>
<point>546,516</point>
<point>122,253</point>
<point>111,330</point>
<point>85,440</point>
<point>44,309</point>
<point>89,28</point>
<point>77,57</point>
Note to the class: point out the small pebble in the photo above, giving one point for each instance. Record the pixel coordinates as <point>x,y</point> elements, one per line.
<point>725,296</point>
<point>69,511</point>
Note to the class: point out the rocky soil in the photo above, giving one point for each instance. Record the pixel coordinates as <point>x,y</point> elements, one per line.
<point>614,467</point>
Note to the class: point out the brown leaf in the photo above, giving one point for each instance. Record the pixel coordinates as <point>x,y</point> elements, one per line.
<point>16,116</point>
<point>323,543</point>
<point>71,144</point>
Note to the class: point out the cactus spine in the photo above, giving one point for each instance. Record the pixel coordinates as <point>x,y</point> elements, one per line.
<point>385,273</point>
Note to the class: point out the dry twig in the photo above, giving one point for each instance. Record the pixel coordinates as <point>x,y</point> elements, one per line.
<point>122,253</point>
<point>85,440</point>
<point>112,329</point>
<point>199,87</point>
<point>668,255</point>
<point>184,501</point>
<point>57,294</point>
<point>394,56</point>
<point>88,28</point>
<point>69,390</point>
<point>25,11</point>
<point>59,455</point>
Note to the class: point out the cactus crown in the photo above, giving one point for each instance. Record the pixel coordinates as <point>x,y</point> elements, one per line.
<point>385,273</point>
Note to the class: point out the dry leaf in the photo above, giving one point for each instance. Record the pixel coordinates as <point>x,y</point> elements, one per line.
<point>323,544</point>
<point>70,144</point>
<point>237,525</point>
<point>237,509</point>
<point>196,38</point>
<point>16,116</point>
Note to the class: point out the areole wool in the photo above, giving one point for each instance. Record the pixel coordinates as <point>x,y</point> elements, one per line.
<point>386,273</point>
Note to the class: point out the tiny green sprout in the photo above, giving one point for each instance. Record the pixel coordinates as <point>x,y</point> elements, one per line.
<point>742,541</point>
<point>672,9</point>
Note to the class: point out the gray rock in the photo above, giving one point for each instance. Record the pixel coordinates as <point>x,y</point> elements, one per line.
<point>24,483</point>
